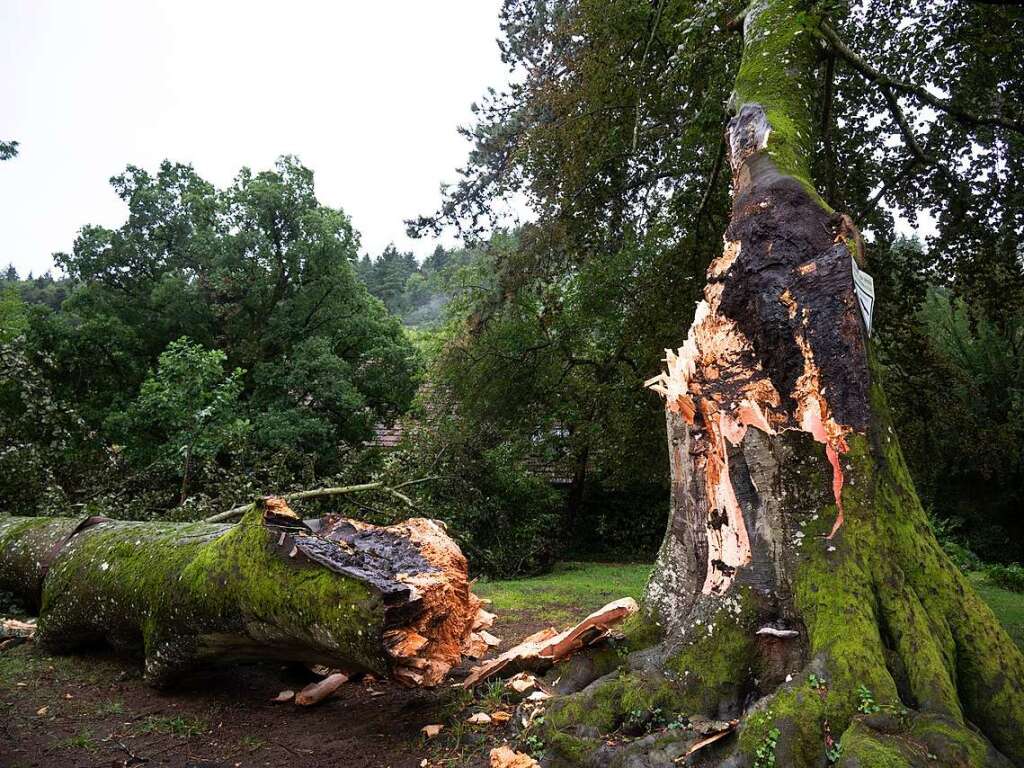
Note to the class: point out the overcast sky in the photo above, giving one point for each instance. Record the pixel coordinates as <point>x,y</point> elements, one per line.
<point>367,94</point>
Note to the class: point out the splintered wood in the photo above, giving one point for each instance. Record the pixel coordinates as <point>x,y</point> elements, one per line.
<point>451,621</point>
<point>25,630</point>
<point>549,646</point>
<point>506,757</point>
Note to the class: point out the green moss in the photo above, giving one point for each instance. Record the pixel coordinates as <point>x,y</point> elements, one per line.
<point>184,592</point>
<point>777,72</point>
<point>870,749</point>
<point>570,750</point>
<point>715,665</point>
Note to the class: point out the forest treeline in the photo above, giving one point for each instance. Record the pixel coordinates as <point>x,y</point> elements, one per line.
<point>225,343</point>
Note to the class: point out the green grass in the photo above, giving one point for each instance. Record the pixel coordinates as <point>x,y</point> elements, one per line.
<point>110,708</point>
<point>177,725</point>
<point>569,590</point>
<point>82,740</point>
<point>1007,606</point>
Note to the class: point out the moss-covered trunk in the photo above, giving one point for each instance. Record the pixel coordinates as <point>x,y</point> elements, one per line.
<point>394,601</point>
<point>799,588</point>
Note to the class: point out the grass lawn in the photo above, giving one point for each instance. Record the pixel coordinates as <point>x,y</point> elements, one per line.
<point>1007,606</point>
<point>566,594</point>
<point>572,590</point>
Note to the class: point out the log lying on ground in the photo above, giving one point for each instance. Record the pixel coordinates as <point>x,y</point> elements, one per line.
<point>393,601</point>
<point>543,649</point>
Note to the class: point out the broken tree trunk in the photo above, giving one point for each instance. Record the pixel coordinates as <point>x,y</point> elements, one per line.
<point>799,587</point>
<point>393,601</point>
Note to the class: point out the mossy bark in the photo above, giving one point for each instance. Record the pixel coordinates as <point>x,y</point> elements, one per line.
<point>186,594</point>
<point>799,588</point>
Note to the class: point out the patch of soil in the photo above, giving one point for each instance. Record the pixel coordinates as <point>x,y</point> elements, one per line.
<point>94,711</point>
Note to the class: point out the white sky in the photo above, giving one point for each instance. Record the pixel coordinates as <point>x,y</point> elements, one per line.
<point>367,94</point>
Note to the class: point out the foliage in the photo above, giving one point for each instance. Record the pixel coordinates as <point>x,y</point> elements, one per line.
<point>259,278</point>
<point>187,412</point>
<point>504,517</point>
<point>415,292</point>
<point>957,382</point>
<point>1009,577</point>
<point>8,149</point>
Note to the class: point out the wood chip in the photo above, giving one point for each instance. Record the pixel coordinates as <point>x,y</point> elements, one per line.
<point>500,717</point>
<point>284,696</point>
<point>522,682</point>
<point>42,711</point>
<point>708,740</point>
<point>505,757</point>
<point>490,639</point>
<point>480,718</point>
<point>430,731</point>
<point>314,693</point>
<point>484,620</point>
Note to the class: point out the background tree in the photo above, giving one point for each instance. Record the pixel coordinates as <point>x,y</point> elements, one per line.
<point>186,413</point>
<point>259,273</point>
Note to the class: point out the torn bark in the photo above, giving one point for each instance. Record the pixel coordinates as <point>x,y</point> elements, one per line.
<point>393,601</point>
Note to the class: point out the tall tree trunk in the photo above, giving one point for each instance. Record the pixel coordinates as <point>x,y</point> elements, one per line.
<point>799,588</point>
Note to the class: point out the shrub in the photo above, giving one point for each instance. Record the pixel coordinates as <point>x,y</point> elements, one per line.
<point>1009,577</point>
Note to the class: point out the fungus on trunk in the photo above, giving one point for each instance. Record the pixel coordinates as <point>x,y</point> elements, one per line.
<point>799,587</point>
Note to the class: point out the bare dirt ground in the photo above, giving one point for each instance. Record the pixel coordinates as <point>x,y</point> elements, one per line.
<point>94,711</point>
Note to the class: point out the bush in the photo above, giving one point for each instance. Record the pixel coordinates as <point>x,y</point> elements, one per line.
<point>1009,577</point>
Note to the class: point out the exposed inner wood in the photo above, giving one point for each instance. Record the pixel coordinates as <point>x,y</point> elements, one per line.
<point>775,309</point>
<point>549,646</point>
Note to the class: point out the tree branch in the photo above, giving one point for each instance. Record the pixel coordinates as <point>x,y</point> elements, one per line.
<point>961,115</point>
<point>320,493</point>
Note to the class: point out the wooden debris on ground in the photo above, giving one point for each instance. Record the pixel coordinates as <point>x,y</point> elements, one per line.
<point>479,718</point>
<point>717,731</point>
<point>25,630</point>
<point>506,757</point>
<point>543,649</point>
<point>314,693</point>
<point>284,696</point>
<point>430,731</point>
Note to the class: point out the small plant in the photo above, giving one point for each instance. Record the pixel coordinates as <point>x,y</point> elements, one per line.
<point>818,683</point>
<point>110,708</point>
<point>646,720</point>
<point>1009,577</point>
<point>866,701</point>
<point>493,695</point>
<point>535,746</point>
<point>186,727</point>
<point>834,752</point>
<point>82,740</point>
<point>252,743</point>
<point>764,755</point>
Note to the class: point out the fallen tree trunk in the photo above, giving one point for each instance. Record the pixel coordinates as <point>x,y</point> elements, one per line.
<point>393,601</point>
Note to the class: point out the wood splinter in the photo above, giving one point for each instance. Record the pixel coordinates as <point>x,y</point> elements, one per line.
<point>543,649</point>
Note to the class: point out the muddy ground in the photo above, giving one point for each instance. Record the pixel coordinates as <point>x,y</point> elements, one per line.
<point>93,711</point>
